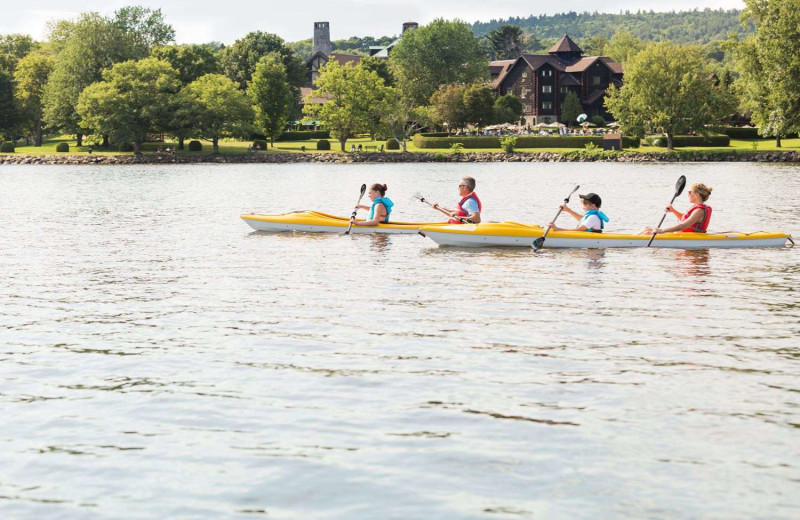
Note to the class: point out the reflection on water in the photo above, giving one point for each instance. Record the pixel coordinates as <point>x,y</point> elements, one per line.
<point>158,359</point>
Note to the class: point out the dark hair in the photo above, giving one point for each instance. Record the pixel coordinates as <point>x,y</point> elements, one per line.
<point>380,188</point>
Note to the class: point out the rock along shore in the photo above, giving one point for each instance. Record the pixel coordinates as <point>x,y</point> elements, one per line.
<point>342,158</point>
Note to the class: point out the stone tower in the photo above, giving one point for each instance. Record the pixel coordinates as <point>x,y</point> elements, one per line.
<point>322,38</point>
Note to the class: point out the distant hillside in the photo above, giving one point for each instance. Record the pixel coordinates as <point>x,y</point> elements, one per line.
<point>681,27</point>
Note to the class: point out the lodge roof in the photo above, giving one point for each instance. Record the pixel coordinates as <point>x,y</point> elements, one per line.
<point>498,70</point>
<point>565,44</point>
<point>568,80</point>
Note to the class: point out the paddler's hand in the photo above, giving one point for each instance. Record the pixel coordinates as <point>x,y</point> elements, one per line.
<point>565,207</point>
<point>551,225</point>
<point>670,208</point>
<point>435,205</point>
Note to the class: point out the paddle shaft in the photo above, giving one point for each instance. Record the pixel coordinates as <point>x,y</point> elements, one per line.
<point>678,190</point>
<point>462,219</point>
<point>539,241</point>
<point>355,210</point>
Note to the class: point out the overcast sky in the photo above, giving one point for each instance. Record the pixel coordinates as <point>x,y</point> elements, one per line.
<point>198,21</point>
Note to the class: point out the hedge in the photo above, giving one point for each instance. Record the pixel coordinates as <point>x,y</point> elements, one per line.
<point>694,140</point>
<point>7,147</point>
<point>741,132</point>
<point>323,145</point>
<point>434,134</point>
<point>260,144</point>
<point>392,144</point>
<point>523,141</point>
<point>195,146</point>
<point>62,147</point>
<point>304,135</point>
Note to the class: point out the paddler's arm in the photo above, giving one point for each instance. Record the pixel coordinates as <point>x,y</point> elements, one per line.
<point>577,216</point>
<point>380,215</point>
<point>675,212</point>
<point>475,218</point>
<point>693,219</point>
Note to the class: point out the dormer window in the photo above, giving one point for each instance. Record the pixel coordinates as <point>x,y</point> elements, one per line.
<point>547,73</point>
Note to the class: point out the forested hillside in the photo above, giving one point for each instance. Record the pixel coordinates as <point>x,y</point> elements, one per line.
<point>697,26</point>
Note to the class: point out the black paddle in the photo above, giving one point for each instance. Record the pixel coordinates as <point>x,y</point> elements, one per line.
<point>355,210</point>
<point>678,190</point>
<point>425,201</point>
<point>539,241</point>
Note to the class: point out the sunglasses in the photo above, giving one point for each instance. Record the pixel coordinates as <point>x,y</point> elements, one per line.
<point>463,186</point>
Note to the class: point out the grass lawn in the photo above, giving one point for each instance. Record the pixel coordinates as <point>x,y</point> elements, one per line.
<point>230,147</point>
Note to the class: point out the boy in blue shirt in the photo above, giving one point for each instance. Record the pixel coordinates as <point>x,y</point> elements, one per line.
<point>593,220</point>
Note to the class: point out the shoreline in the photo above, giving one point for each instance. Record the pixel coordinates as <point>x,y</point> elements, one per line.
<point>416,157</point>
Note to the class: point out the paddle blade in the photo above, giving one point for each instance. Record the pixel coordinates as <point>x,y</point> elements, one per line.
<point>537,244</point>
<point>364,189</point>
<point>680,185</point>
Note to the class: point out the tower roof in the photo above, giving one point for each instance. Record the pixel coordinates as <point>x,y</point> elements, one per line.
<point>565,44</point>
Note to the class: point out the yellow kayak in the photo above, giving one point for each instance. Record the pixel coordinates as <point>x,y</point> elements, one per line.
<point>317,222</point>
<point>513,234</point>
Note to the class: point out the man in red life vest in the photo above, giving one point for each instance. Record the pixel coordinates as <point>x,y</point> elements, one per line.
<point>469,207</point>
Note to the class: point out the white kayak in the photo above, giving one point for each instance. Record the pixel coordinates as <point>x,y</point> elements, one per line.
<point>317,222</point>
<point>513,234</point>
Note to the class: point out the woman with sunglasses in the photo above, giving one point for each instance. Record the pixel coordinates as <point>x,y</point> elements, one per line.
<point>693,221</point>
<point>380,209</point>
<point>469,207</point>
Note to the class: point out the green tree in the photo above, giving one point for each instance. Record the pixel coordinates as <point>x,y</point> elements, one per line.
<point>439,53</point>
<point>479,104</point>
<point>667,88</point>
<point>191,61</point>
<point>9,118</point>
<point>31,77</point>
<point>507,42</point>
<point>216,108</point>
<point>570,109</point>
<point>448,106</point>
<point>594,45</point>
<point>623,46</point>
<point>14,47</point>
<point>352,93</point>
<point>507,109</point>
<point>271,95</point>
<point>135,98</point>
<point>769,66</point>
<point>380,67</point>
<point>239,61</point>
<point>86,47</point>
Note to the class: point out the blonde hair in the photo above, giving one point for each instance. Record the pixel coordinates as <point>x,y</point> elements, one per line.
<point>702,190</point>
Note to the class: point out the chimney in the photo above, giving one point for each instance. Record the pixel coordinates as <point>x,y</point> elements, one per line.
<point>322,38</point>
<point>409,25</point>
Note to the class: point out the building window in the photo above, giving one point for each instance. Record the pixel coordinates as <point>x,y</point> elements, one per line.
<point>547,105</point>
<point>526,108</point>
<point>547,89</point>
<point>596,80</point>
<point>524,74</point>
<point>547,73</point>
<point>564,90</point>
<point>524,93</point>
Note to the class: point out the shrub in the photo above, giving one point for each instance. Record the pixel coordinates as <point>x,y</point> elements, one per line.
<point>598,120</point>
<point>591,147</point>
<point>661,141</point>
<point>525,141</point>
<point>392,144</point>
<point>260,144</point>
<point>692,140</point>
<point>323,144</point>
<point>7,147</point>
<point>434,134</point>
<point>125,147</point>
<point>62,147</point>
<point>743,132</point>
<point>456,148</point>
<point>304,135</point>
<point>508,143</point>
<point>195,146</point>
<point>439,157</point>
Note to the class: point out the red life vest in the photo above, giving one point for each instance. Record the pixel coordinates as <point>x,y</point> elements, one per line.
<point>701,226</point>
<point>461,212</point>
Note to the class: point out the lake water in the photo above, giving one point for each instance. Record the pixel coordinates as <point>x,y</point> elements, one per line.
<point>158,359</point>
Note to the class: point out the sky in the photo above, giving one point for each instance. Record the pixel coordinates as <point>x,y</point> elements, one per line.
<point>200,21</point>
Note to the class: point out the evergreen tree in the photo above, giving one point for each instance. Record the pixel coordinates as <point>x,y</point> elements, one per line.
<point>570,109</point>
<point>507,42</point>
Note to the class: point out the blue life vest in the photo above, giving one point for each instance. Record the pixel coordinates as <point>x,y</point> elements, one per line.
<point>602,216</point>
<point>386,203</point>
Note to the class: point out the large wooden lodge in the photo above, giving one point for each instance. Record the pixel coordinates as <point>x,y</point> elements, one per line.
<point>542,81</point>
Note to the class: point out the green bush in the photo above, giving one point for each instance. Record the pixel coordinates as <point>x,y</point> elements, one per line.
<point>508,143</point>
<point>261,144</point>
<point>631,141</point>
<point>323,144</point>
<point>304,135</point>
<point>392,144</point>
<point>62,147</point>
<point>456,148</point>
<point>195,146</point>
<point>597,120</point>
<point>741,132</point>
<point>7,147</point>
<point>440,157</point>
<point>525,141</point>
<point>125,147</point>
<point>691,140</point>
<point>434,134</point>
